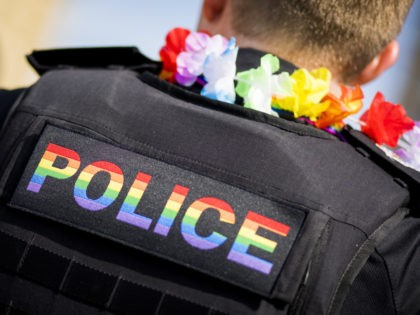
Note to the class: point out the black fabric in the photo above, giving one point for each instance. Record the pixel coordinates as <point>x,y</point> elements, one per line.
<point>273,158</point>
<point>145,271</point>
<point>251,58</point>
<point>173,305</point>
<point>82,284</point>
<point>289,123</point>
<point>336,253</point>
<point>13,250</point>
<point>358,261</point>
<point>184,240</point>
<point>405,176</point>
<point>284,171</point>
<point>10,310</point>
<point>88,284</point>
<point>129,298</point>
<point>389,282</point>
<point>371,292</point>
<point>401,254</point>
<point>44,267</point>
<point>103,57</point>
<point>281,153</point>
<point>313,269</point>
<point>7,99</point>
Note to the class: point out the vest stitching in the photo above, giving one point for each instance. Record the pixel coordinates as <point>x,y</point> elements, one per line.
<point>120,277</point>
<point>179,157</point>
<point>389,280</point>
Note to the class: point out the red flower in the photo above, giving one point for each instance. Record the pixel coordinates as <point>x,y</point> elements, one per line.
<point>385,122</point>
<point>174,44</point>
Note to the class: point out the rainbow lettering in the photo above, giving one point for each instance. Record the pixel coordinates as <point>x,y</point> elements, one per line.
<point>61,163</point>
<point>192,216</point>
<point>46,166</point>
<point>169,213</point>
<point>127,211</point>
<point>247,236</point>
<point>112,191</point>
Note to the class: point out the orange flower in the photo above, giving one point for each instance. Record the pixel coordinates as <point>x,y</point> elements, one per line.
<point>174,44</point>
<point>350,102</point>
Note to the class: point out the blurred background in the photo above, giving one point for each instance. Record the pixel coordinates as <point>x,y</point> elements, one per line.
<point>26,25</point>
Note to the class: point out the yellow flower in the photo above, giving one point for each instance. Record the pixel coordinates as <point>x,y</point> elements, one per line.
<point>308,90</point>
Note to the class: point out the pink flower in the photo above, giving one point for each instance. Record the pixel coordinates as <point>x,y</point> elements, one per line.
<point>198,47</point>
<point>409,150</point>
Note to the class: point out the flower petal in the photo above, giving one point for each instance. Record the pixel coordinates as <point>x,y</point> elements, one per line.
<point>174,44</point>
<point>219,72</point>
<point>350,102</point>
<point>385,122</point>
<point>308,90</point>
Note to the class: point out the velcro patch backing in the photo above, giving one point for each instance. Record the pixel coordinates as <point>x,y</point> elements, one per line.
<point>158,208</point>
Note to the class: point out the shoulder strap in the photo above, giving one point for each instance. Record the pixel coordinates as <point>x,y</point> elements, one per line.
<point>129,58</point>
<point>406,177</point>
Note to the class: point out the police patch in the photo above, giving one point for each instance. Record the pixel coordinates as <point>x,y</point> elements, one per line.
<point>159,208</point>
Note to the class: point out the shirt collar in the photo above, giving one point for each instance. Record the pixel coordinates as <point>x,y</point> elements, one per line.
<point>250,58</point>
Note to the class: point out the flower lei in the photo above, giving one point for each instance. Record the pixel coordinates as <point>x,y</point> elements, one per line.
<point>198,58</point>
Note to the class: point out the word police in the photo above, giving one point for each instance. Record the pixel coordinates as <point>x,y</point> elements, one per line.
<point>239,252</point>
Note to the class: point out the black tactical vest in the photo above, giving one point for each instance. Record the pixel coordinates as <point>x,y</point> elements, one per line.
<point>121,193</point>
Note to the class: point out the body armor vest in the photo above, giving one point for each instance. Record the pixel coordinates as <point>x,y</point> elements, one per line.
<point>125,194</point>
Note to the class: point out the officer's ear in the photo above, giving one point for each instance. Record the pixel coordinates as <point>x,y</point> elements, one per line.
<point>384,60</point>
<point>212,9</point>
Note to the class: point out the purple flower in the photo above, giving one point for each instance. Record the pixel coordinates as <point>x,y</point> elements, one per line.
<point>409,144</point>
<point>198,47</point>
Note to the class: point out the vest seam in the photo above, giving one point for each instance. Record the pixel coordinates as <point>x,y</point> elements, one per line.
<point>174,155</point>
<point>73,260</point>
<point>319,207</point>
<point>249,114</point>
<point>389,280</point>
<point>356,262</point>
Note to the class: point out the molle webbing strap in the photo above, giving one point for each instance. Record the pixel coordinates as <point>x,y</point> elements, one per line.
<point>86,284</point>
<point>359,260</point>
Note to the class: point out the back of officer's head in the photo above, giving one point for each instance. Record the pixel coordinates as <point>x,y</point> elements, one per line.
<point>343,35</point>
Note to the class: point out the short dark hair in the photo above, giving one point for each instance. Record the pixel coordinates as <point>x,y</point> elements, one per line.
<point>348,34</point>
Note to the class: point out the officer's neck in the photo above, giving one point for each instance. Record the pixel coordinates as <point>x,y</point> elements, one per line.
<point>287,52</point>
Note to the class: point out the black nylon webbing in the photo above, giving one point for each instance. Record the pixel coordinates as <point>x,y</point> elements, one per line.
<point>65,276</point>
<point>10,310</point>
<point>360,258</point>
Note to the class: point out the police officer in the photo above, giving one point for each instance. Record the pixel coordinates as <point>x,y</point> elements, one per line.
<point>87,147</point>
<point>357,48</point>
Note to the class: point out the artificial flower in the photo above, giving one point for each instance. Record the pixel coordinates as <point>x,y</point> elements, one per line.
<point>385,122</point>
<point>256,86</point>
<point>219,73</point>
<point>198,46</point>
<point>281,85</point>
<point>350,102</point>
<point>308,90</point>
<point>210,60</point>
<point>409,144</point>
<point>174,44</point>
